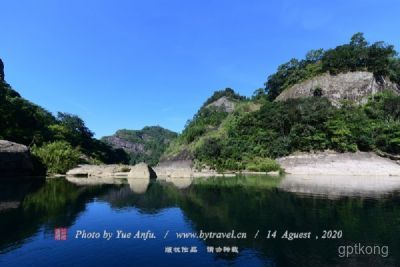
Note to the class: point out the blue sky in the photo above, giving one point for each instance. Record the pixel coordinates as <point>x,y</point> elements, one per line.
<point>127,64</point>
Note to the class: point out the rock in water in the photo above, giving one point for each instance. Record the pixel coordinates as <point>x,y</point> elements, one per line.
<point>142,170</point>
<point>15,160</point>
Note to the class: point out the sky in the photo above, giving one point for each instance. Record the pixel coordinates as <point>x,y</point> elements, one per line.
<point>126,64</point>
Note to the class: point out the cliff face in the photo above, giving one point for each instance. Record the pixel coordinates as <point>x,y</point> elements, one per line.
<point>224,103</point>
<point>355,86</point>
<point>128,146</point>
<point>146,145</point>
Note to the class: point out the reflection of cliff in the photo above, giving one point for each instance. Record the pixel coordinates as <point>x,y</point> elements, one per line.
<point>335,186</point>
<point>55,203</point>
<point>249,209</point>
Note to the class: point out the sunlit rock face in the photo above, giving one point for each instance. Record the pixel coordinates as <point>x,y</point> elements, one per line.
<point>87,170</point>
<point>142,171</point>
<point>354,86</point>
<point>334,163</point>
<point>224,104</point>
<point>174,169</point>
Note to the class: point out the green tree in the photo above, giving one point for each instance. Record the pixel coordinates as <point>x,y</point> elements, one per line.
<point>58,157</point>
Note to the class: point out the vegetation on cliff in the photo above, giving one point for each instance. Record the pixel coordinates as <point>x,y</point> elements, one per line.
<point>260,129</point>
<point>358,55</point>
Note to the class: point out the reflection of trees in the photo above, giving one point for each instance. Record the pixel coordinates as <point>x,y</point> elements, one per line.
<point>56,203</point>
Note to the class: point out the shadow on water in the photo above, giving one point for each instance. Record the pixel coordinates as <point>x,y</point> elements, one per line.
<point>244,204</point>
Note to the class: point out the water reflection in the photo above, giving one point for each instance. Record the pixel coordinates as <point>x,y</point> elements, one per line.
<point>96,180</point>
<point>247,204</point>
<point>341,186</point>
<point>138,186</point>
<point>180,183</point>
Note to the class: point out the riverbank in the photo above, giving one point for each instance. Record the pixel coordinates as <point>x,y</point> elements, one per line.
<point>319,163</point>
<point>334,163</point>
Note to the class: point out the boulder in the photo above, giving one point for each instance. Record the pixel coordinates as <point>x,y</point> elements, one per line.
<point>15,160</point>
<point>142,170</point>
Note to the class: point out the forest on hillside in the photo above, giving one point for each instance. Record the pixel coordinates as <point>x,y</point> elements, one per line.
<point>57,143</point>
<point>261,129</point>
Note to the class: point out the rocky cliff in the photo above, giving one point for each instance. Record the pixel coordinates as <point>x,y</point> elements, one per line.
<point>129,146</point>
<point>146,145</point>
<point>224,104</point>
<point>355,86</point>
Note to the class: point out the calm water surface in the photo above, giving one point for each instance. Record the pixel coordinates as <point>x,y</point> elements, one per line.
<point>31,210</point>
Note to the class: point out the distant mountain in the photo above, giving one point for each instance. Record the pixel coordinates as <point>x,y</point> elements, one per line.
<point>146,145</point>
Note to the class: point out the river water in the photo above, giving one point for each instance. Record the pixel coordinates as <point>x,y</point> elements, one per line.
<point>239,221</point>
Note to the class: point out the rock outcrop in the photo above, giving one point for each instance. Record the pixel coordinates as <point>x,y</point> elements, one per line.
<point>334,163</point>
<point>355,86</point>
<point>15,160</point>
<point>175,169</point>
<point>128,146</point>
<point>142,171</point>
<point>87,170</point>
<point>223,103</point>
